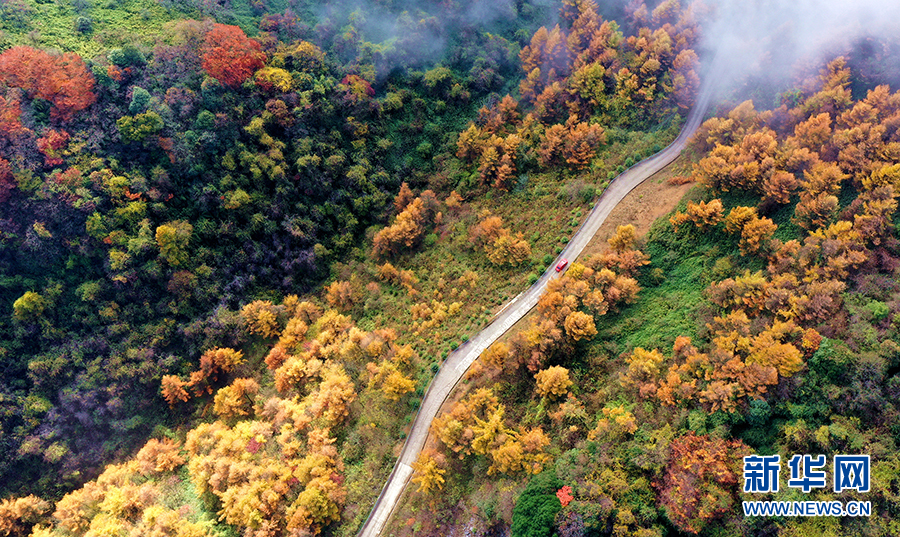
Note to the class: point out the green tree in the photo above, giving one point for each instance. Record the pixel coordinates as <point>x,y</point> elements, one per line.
<point>29,306</point>
<point>173,239</point>
<point>139,127</point>
<point>536,507</point>
<point>140,98</point>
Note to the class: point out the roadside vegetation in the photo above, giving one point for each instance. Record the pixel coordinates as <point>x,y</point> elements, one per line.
<point>238,239</point>
<point>762,324</point>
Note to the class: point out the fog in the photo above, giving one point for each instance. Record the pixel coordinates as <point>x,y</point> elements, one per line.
<point>759,47</point>
<point>772,43</point>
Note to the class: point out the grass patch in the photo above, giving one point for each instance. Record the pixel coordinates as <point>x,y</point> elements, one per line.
<point>113,23</point>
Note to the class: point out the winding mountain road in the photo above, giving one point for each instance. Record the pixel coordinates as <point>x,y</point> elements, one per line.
<point>459,361</point>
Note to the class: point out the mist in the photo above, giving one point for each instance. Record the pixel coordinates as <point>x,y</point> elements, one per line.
<point>769,46</point>
<point>415,33</point>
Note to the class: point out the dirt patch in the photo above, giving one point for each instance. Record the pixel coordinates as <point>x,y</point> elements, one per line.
<point>652,199</point>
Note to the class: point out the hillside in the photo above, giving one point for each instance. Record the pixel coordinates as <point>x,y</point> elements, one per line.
<point>237,241</point>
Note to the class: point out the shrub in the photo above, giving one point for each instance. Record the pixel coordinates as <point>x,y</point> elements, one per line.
<point>84,25</point>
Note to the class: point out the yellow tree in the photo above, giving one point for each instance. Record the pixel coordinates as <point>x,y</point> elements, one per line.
<point>261,317</point>
<point>580,326</point>
<point>18,515</point>
<point>509,250</point>
<point>552,382</point>
<point>623,239</point>
<point>643,366</point>
<point>159,456</point>
<point>340,295</point>
<point>235,399</point>
<point>429,471</point>
<point>756,235</point>
<point>495,355</point>
<point>394,384</point>
<point>406,231</point>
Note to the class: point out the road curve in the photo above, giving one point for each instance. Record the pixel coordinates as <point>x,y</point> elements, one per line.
<point>459,360</point>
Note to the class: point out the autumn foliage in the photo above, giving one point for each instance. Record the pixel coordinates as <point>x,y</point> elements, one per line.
<point>700,481</point>
<point>230,56</point>
<point>18,515</point>
<point>476,426</point>
<point>63,80</point>
<point>409,227</point>
<point>500,245</point>
<point>430,470</point>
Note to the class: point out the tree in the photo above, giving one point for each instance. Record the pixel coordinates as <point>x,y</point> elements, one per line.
<point>223,358</point>
<point>51,145</point>
<point>815,210</point>
<point>159,456</point>
<point>270,78</point>
<point>10,115</point>
<point>738,217</point>
<point>536,507</point>
<point>509,250</point>
<point>506,458</point>
<point>779,186</point>
<point>552,382</point>
<point>139,127</point>
<point>623,239</point>
<point>699,483</point>
<point>18,515</point>
<point>394,384</point>
<point>29,307</point>
<point>484,233</point>
<point>495,355</point>
<point>235,399</point>
<point>644,368</point>
<point>261,317</point>
<point>230,56</point>
<point>340,295</point>
<point>756,234</point>
<point>63,80</point>
<point>173,239</point>
<point>292,335</point>
<point>333,396</point>
<point>406,231</point>
<point>685,80</point>
<point>173,390</point>
<point>580,326</point>
<point>403,198</point>
<point>429,471</point>
<point>575,143</point>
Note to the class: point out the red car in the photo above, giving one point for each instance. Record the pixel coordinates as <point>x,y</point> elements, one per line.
<point>562,264</point>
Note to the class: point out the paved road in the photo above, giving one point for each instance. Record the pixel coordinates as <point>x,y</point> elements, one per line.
<point>459,361</point>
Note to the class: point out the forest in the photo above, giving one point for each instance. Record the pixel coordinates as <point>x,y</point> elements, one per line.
<point>238,239</point>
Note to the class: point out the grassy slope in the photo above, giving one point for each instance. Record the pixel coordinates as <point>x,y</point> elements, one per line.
<point>52,25</point>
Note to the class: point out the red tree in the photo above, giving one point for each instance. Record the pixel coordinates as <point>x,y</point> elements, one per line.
<point>7,180</point>
<point>9,116</point>
<point>700,480</point>
<point>63,80</point>
<point>51,145</point>
<point>565,495</point>
<point>230,56</point>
